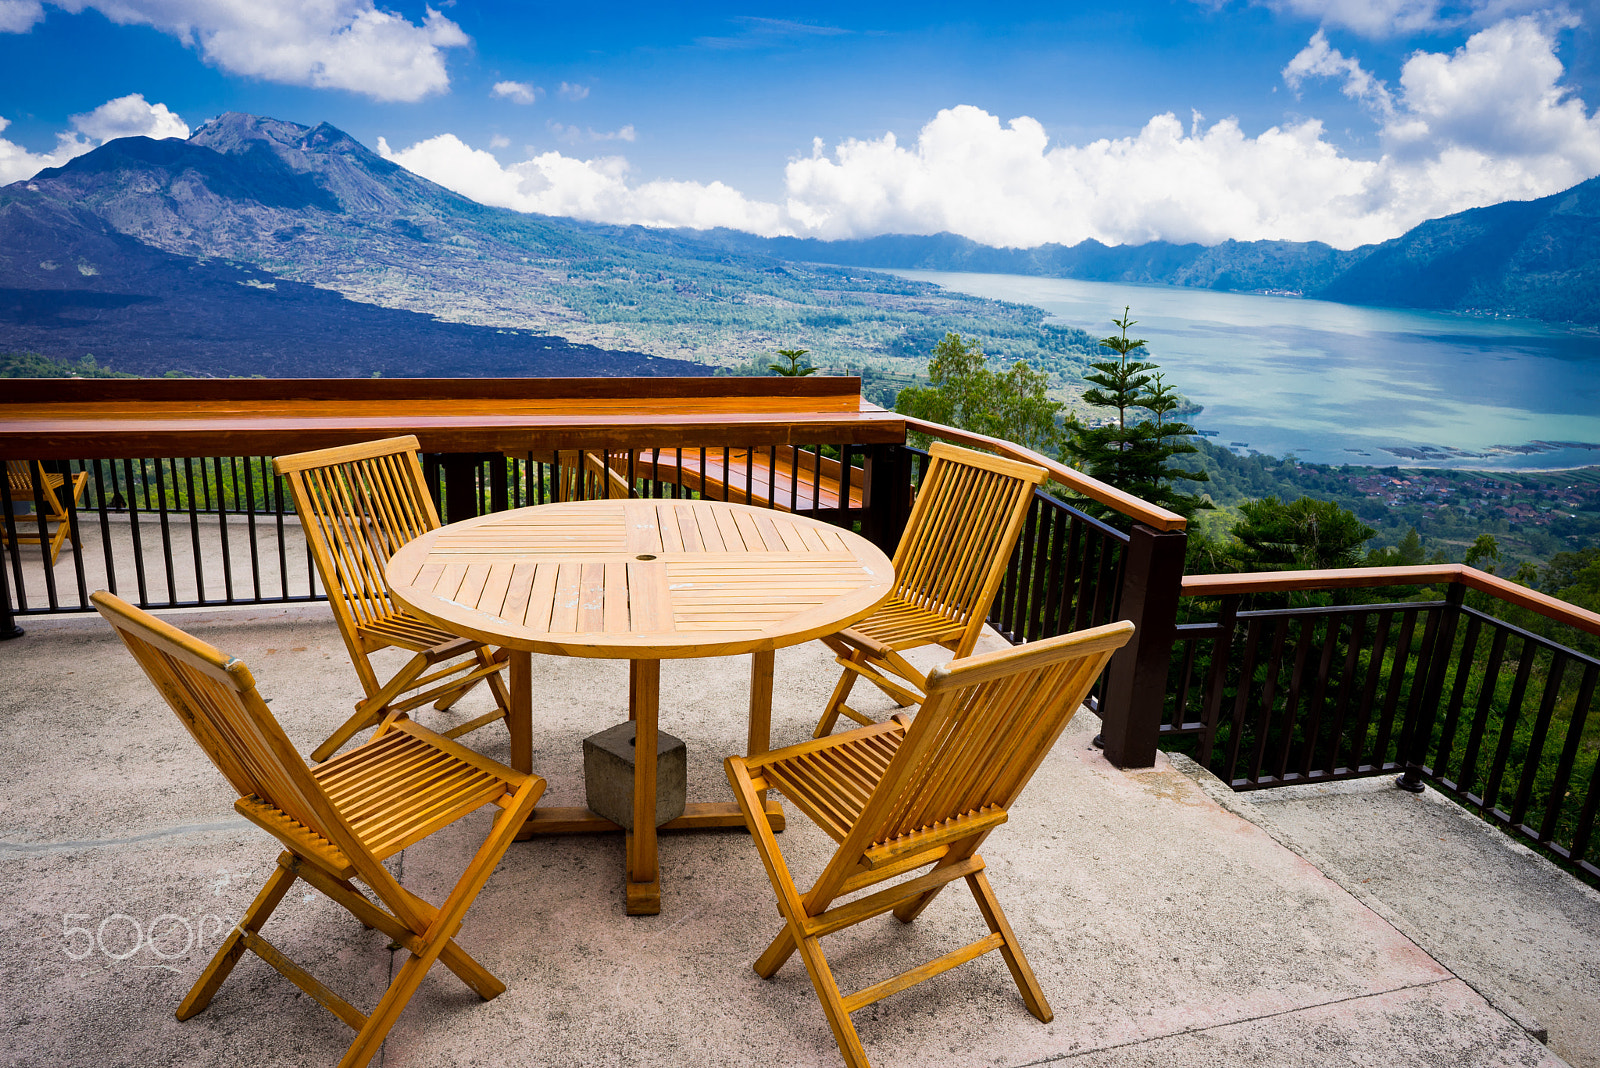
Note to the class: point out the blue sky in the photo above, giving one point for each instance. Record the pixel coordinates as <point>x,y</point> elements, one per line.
<point>1338,120</point>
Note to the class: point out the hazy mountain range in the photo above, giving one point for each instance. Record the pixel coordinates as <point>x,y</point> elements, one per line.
<point>1539,259</point>
<point>259,246</point>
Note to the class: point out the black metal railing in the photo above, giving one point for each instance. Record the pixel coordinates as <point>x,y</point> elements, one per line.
<point>168,532</point>
<point>1065,574</point>
<point>1438,691</point>
<point>221,530</point>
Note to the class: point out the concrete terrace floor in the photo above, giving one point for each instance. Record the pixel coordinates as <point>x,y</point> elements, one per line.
<point>1164,927</point>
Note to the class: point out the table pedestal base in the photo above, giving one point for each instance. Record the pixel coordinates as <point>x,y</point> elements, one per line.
<point>642,899</point>
<point>696,817</point>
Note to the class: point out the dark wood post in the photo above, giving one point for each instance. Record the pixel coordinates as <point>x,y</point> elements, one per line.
<point>886,495</point>
<point>500,489</point>
<point>1136,684</point>
<point>462,499</point>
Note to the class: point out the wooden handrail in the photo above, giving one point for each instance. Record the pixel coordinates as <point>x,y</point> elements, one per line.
<point>1133,507</point>
<point>1357,577</point>
<point>58,419</point>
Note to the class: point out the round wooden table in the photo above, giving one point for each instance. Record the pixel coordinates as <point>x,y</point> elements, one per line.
<point>642,580</point>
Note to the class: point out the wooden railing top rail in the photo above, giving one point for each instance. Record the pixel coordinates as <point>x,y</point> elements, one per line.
<point>51,419</point>
<point>1150,515</point>
<point>1422,575</point>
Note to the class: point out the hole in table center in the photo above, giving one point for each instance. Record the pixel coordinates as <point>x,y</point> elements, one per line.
<point>644,556</point>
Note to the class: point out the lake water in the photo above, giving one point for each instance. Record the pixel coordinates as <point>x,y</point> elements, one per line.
<point>1336,383</point>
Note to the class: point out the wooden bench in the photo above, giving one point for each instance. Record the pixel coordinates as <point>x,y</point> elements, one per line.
<point>779,476</point>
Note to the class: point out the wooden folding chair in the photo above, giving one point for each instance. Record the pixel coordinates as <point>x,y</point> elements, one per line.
<point>358,504</point>
<point>337,822</point>
<point>947,568</point>
<point>587,475</point>
<point>900,795</point>
<point>24,476</point>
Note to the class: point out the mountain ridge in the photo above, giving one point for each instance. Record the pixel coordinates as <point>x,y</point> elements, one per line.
<point>1536,259</point>
<point>311,206</point>
<point>281,226</point>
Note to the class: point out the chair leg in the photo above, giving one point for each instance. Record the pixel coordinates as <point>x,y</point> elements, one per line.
<point>844,1029</point>
<point>497,687</point>
<point>475,975</point>
<point>452,696</point>
<point>1010,949</point>
<point>912,907</point>
<point>841,693</point>
<point>360,721</point>
<point>443,925</point>
<point>370,710</point>
<point>233,947</point>
<point>776,955</point>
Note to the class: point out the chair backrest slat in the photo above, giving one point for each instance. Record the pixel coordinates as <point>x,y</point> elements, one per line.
<point>359,505</point>
<point>988,723</point>
<point>215,697</point>
<point>961,530</point>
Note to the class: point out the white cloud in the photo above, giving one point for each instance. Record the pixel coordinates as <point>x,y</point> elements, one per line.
<point>1316,59</point>
<point>516,92</point>
<point>130,116</point>
<point>1390,18</point>
<point>126,116</point>
<point>19,16</point>
<point>1486,123</point>
<point>17,163</point>
<point>573,92</point>
<point>499,141</point>
<point>595,189</point>
<point>326,44</point>
<point>574,135</point>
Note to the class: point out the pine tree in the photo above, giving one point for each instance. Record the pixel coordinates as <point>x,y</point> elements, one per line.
<point>1133,453</point>
<point>795,368</point>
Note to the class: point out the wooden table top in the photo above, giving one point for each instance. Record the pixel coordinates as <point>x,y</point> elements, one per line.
<point>641,579</point>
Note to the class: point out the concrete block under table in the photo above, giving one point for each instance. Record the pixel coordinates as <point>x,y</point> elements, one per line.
<point>608,774</point>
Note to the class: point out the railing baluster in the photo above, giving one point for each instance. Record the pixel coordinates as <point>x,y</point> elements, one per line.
<point>278,491</point>
<point>1291,701</point>
<point>1319,701</point>
<point>44,535</point>
<point>1569,753</point>
<point>105,519</point>
<point>1480,721</point>
<point>1396,683</point>
<point>1452,718</point>
<point>1586,820</point>
<point>1369,695</point>
<point>1241,703</point>
<point>194,529</point>
<point>1269,694</point>
<point>1423,696</point>
<point>222,528</point>
<point>134,532</point>
<point>1508,732</point>
<point>166,528</point>
<point>13,545</point>
<point>1541,728</point>
<point>1217,683</point>
<point>251,465</point>
<point>1347,685</point>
